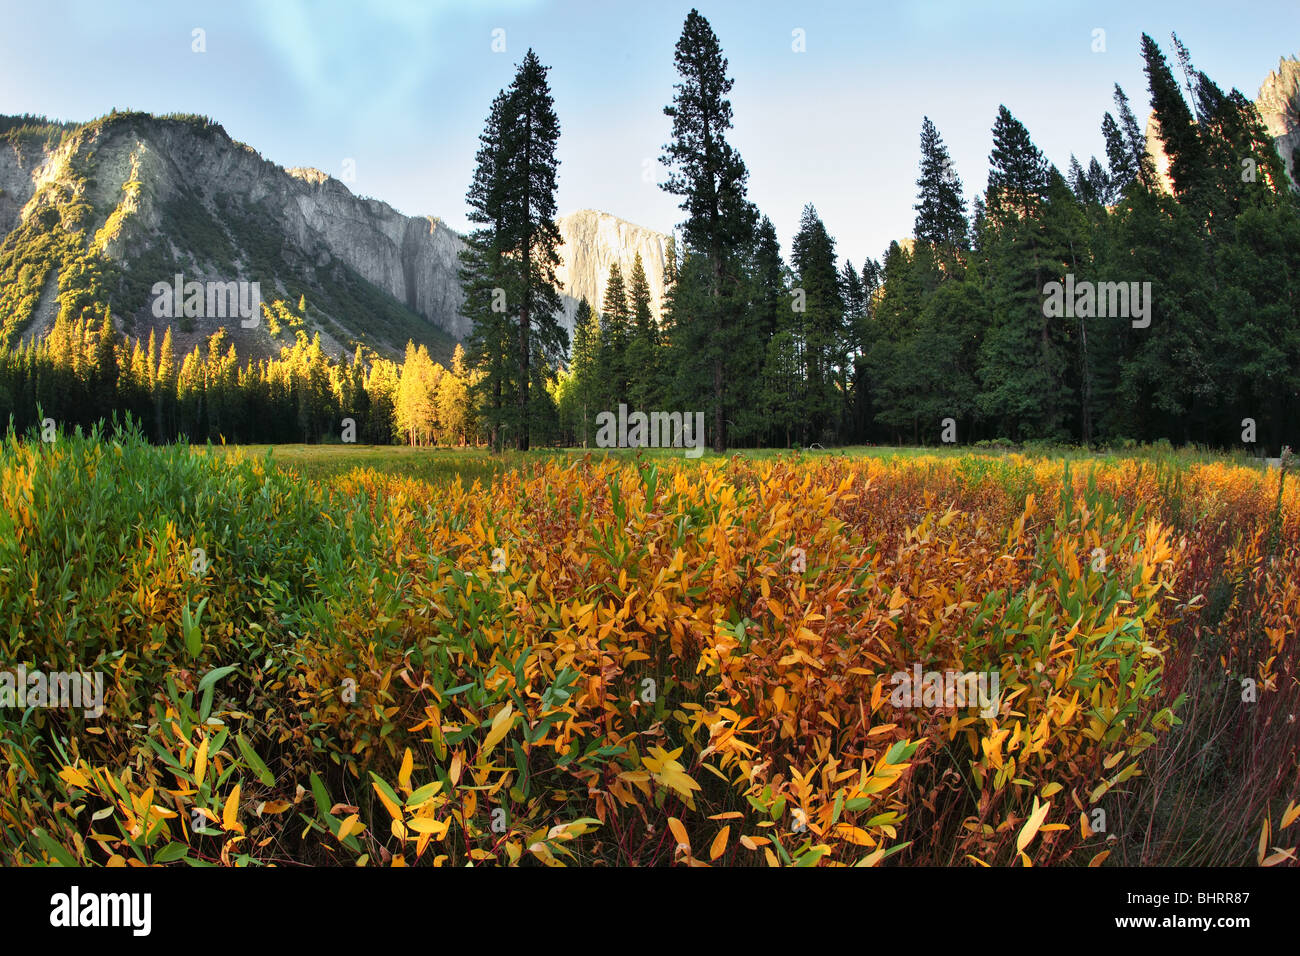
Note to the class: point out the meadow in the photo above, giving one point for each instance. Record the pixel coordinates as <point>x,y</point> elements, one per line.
<point>360,655</point>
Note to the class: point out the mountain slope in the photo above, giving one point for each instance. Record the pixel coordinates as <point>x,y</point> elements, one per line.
<point>96,214</point>
<point>115,206</point>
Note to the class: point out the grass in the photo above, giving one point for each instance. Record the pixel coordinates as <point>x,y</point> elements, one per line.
<point>439,465</point>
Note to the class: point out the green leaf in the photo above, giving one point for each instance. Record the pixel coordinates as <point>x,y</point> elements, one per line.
<point>212,676</point>
<point>424,793</point>
<point>59,853</point>
<point>255,762</point>
<point>170,853</point>
<point>322,797</point>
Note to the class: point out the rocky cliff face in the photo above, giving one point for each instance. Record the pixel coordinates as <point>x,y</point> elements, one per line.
<point>1279,106</point>
<point>169,196</point>
<point>593,241</point>
<point>413,259</point>
<point>178,195</point>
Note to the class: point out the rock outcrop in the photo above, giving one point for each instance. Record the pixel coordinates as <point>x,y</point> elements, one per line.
<point>170,195</point>
<point>593,241</point>
<point>1279,107</point>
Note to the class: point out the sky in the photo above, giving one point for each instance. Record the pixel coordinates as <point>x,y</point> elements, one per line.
<point>394,93</point>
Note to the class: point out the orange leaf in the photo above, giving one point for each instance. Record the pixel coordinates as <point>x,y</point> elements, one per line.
<point>679,832</point>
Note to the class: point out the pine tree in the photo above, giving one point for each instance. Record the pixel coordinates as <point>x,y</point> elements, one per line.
<point>615,337</point>
<point>1177,127</point>
<point>165,389</point>
<point>643,346</point>
<point>531,235</point>
<point>484,277</point>
<point>813,259</point>
<point>710,177</point>
<point>586,369</point>
<point>940,207</point>
<point>1018,179</point>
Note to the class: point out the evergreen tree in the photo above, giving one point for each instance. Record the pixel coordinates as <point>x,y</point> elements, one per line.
<point>484,277</point>
<point>940,207</point>
<point>531,235</point>
<point>813,259</point>
<point>1019,177</point>
<point>615,336</point>
<point>710,177</point>
<point>586,370</point>
<point>643,346</point>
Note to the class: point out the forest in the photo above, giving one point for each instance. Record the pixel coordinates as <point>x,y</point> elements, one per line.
<point>949,335</point>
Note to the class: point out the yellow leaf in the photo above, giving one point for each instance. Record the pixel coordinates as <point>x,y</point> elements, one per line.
<point>393,809</point>
<point>429,825</point>
<point>75,777</point>
<point>201,762</point>
<point>1288,817</point>
<point>501,725</point>
<point>1031,826</point>
<point>1263,839</point>
<point>1099,859</point>
<point>404,775</point>
<point>230,813</point>
<point>679,832</point>
<point>854,835</point>
<point>350,825</point>
<point>720,843</point>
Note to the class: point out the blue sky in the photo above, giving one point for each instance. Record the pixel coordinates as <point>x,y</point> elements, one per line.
<point>402,87</point>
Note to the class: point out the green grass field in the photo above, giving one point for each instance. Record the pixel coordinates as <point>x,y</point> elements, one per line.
<point>446,464</point>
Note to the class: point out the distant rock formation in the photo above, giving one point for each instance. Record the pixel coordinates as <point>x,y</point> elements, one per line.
<point>1278,104</point>
<point>593,241</point>
<point>160,196</point>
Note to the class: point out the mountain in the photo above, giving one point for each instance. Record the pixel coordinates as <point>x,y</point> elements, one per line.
<point>593,241</point>
<point>1278,104</point>
<point>101,213</point>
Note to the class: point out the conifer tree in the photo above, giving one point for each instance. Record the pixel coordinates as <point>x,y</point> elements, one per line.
<point>585,366</point>
<point>531,235</point>
<point>643,345</point>
<point>710,177</point>
<point>1019,177</point>
<point>940,207</point>
<point>615,335</point>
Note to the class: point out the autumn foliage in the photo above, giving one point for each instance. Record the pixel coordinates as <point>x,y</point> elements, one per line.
<point>614,661</point>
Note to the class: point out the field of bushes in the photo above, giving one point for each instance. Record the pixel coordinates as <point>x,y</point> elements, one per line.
<point>579,660</point>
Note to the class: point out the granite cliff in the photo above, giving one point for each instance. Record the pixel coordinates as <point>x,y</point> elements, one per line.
<point>136,199</point>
